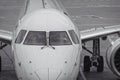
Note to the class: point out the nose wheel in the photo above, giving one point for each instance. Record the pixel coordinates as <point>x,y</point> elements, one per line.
<point>96,60</point>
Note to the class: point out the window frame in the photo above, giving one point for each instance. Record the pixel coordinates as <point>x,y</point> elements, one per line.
<point>24,35</point>
<point>69,38</point>
<point>72,39</point>
<point>31,43</point>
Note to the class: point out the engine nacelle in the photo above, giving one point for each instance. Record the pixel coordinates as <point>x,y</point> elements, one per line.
<point>113,57</point>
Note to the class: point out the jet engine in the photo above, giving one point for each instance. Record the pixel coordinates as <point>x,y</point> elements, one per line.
<point>113,57</point>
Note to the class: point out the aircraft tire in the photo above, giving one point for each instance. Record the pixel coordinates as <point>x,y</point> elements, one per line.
<point>0,64</point>
<point>100,66</point>
<point>87,64</point>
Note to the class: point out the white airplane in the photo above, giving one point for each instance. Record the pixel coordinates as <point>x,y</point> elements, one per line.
<point>47,44</point>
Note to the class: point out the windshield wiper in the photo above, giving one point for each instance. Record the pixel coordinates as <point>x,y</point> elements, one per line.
<point>47,40</point>
<point>48,46</point>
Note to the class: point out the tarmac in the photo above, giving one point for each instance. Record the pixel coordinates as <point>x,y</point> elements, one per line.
<point>85,13</point>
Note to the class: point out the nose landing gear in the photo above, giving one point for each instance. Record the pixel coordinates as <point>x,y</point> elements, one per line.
<point>96,60</point>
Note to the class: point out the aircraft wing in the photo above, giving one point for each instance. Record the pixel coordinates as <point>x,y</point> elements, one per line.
<point>5,36</point>
<point>93,33</point>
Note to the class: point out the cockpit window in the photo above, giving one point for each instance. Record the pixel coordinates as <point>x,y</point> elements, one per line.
<point>36,38</point>
<point>59,38</point>
<point>20,36</point>
<point>74,36</point>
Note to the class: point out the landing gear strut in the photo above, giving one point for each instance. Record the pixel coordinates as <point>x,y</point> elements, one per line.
<point>0,64</point>
<point>96,60</point>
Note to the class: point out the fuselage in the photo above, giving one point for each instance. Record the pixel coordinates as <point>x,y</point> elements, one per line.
<point>46,46</point>
<point>46,43</point>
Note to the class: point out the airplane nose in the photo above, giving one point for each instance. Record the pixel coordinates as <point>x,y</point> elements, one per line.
<point>42,74</point>
<point>48,74</point>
